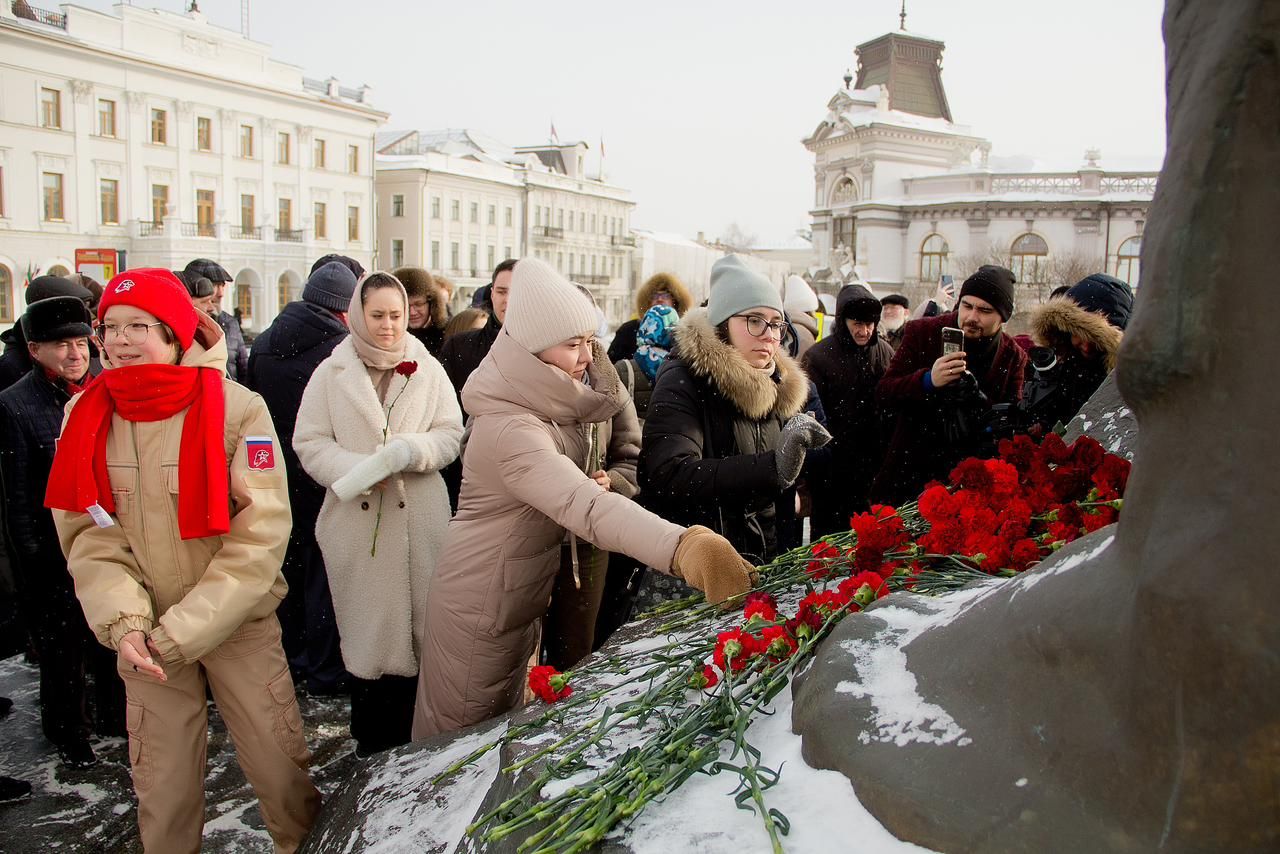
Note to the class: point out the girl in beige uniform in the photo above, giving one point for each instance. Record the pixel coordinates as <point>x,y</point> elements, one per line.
<point>171,504</point>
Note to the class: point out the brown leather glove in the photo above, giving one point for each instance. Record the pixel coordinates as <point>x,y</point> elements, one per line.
<point>710,563</point>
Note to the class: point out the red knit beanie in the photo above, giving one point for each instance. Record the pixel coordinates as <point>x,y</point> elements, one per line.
<point>158,292</point>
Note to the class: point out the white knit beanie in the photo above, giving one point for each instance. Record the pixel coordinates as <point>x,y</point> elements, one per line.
<point>797,296</point>
<point>544,308</point>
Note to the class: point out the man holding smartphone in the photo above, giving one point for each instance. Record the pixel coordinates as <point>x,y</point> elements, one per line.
<point>941,395</point>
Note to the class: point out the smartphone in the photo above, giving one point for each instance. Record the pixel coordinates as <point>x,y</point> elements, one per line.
<point>948,284</point>
<point>952,340</point>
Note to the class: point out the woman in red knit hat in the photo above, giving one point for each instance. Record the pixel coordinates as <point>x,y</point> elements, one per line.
<point>172,508</point>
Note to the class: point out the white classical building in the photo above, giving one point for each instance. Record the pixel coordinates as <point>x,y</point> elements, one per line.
<point>457,202</point>
<point>163,138</point>
<point>903,195</point>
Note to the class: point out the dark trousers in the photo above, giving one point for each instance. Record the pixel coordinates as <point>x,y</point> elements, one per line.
<point>382,711</point>
<point>309,631</point>
<point>68,654</point>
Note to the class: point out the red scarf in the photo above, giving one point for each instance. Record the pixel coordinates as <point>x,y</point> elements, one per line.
<point>148,393</point>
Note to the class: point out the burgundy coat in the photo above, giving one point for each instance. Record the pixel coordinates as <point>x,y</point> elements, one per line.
<point>920,449</point>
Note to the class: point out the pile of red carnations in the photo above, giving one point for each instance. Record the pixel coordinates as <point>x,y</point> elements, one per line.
<point>994,517</point>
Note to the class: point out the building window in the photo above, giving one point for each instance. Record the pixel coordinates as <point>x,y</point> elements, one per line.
<point>506,217</point>
<point>453,256</point>
<point>159,127</point>
<point>282,149</point>
<point>582,221</point>
<point>321,216</point>
<point>353,159</point>
<point>560,218</point>
<point>933,258</point>
<point>473,256</point>
<point>455,210</point>
<point>844,192</point>
<point>435,254</point>
<point>397,254</point>
<point>493,215</point>
<point>397,205</point>
<point>475,212</point>
<point>53,196</point>
<point>593,223</point>
<point>435,207</point>
<point>109,201</point>
<point>353,222</point>
<point>490,252</point>
<point>51,109</point>
<point>246,140</point>
<point>246,212</point>
<point>284,215</point>
<point>204,213</point>
<point>159,202</point>
<point>842,234</point>
<point>244,300</point>
<point>506,252</point>
<point>106,118</point>
<point>6,295</point>
<point>1029,256</point>
<point>204,133</point>
<point>317,154</point>
<point>282,292</point>
<point>537,216</point>
<point>560,261</point>
<point>1127,258</point>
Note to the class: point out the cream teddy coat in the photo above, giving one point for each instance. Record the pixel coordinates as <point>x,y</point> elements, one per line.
<point>380,600</point>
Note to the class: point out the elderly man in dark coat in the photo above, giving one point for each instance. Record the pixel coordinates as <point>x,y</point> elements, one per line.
<point>942,402</point>
<point>237,350</point>
<point>284,357</point>
<point>57,333</point>
<point>846,367</point>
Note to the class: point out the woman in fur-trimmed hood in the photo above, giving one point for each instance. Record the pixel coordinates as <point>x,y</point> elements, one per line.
<point>658,289</point>
<point>1086,347</point>
<point>724,441</point>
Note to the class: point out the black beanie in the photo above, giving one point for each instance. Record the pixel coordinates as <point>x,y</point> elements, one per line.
<point>44,287</point>
<point>1106,295</point>
<point>55,318</point>
<point>350,263</point>
<point>896,299</point>
<point>993,284</point>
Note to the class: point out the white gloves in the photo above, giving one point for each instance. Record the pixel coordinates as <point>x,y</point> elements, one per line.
<point>393,457</point>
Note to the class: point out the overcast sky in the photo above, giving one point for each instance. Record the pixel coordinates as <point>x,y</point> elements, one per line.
<point>702,103</point>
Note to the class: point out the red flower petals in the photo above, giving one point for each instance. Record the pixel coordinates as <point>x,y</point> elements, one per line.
<point>549,684</point>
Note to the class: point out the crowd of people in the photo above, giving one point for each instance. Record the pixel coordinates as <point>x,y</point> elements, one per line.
<point>381,498</point>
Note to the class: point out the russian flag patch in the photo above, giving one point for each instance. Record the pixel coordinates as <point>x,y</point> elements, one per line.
<point>262,452</point>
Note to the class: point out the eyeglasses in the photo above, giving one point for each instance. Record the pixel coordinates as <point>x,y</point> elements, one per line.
<point>757,326</point>
<point>133,333</point>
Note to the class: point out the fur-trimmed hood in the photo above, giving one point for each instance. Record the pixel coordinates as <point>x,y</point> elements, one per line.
<point>755,394</point>
<point>419,282</point>
<point>1059,319</point>
<point>663,282</point>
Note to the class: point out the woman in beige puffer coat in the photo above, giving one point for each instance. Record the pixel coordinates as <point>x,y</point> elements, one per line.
<point>525,483</point>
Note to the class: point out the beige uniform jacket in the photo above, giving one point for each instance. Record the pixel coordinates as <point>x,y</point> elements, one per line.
<point>139,574</point>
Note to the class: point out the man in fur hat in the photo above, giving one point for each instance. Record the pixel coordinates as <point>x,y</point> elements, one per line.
<point>57,333</point>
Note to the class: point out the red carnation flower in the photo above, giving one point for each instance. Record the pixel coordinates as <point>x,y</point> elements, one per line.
<point>734,649</point>
<point>407,369</point>
<point>1087,452</point>
<point>971,474</point>
<point>864,588</point>
<point>1054,450</point>
<point>761,605</point>
<point>1111,477</point>
<point>708,678</point>
<point>549,684</point>
<point>778,643</point>
<point>1025,553</point>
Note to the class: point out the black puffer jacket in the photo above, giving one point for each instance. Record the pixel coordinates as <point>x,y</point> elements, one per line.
<point>707,456</point>
<point>462,353</point>
<point>284,357</point>
<point>31,413</point>
<point>846,375</point>
<point>16,361</point>
<point>1055,396</point>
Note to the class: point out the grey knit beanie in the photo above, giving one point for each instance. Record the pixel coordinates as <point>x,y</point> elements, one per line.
<point>331,286</point>
<point>735,287</point>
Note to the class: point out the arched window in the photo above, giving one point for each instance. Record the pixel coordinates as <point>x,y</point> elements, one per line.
<point>244,297</point>
<point>6,295</point>
<point>284,290</point>
<point>58,270</point>
<point>933,258</point>
<point>1030,259</point>
<point>844,192</point>
<point>1127,260</point>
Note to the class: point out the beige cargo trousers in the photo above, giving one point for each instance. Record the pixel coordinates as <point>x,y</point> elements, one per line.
<point>168,740</point>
